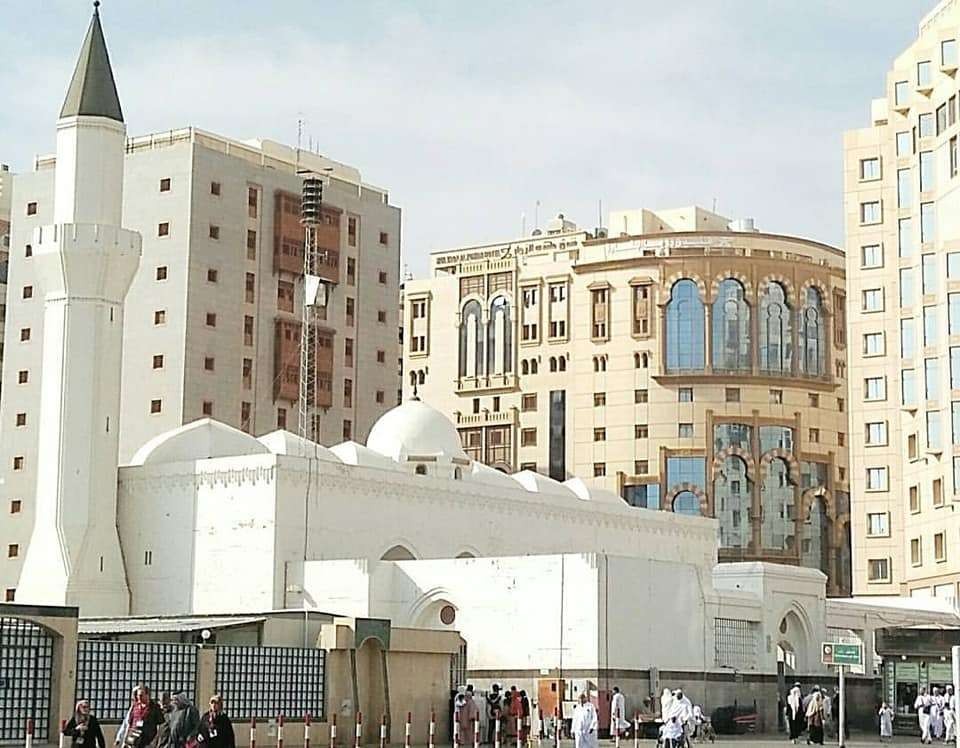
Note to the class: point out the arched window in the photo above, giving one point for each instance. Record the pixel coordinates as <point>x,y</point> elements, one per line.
<point>499,337</point>
<point>644,360</point>
<point>524,367</point>
<point>776,335</point>
<point>777,495</point>
<point>413,378</point>
<point>731,501</point>
<point>471,339</point>
<point>398,553</point>
<point>685,328</point>
<point>458,473</point>
<point>731,328</point>
<point>562,363</point>
<point>812,337</point>
<point>534,366</point>
<point>596,364</point>
<point>422,376</point>
<point>553,363</point>
<point>686,502</point>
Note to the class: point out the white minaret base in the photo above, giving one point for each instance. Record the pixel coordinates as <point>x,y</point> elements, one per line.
<point>74,556</point>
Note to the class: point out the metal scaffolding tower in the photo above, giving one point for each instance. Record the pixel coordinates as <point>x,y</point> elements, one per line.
<point>315,297</point>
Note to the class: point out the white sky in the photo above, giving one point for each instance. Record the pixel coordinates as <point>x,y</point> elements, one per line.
<point>471,112</point>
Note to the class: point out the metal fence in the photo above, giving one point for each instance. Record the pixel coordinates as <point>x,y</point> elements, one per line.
<point>263,682</point>
<point>107,671</point>
<point>735,643</point>
<point>26,671</point>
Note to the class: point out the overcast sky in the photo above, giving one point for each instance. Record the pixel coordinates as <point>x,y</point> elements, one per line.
<point>471,112</point>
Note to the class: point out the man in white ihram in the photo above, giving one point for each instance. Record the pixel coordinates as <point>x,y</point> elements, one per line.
<point>618,710</point>
<point>585,723</point>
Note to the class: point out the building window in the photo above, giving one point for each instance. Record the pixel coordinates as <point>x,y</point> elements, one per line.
<point>10,594</point>
<point>776,397</point>
<point>927,173</point>
<point>23,376</point>
<point>528,437</point>
<point>871,256</point>
<point>940,547</point>
<point>347,430</point>
<point>349,311</point>
<point>211,319</point>
<point>24,334</point>
<point>916,552</point>
<point>640,396</point>
<point>248,330</point>
<point>384,238</point>
<point>214,231</point>
<point>348,352</point>
<point>165,184</point>
<point>901,93</point>
<point>938,492</point>
<point>21,419</point>
<point>876,433</point>
<point>13,550</point>
<point>927,222</point>
<point>642,308</point>
<point>873,300</point>
<point>904,188</point>
<point>285,296</point>
<point>251,244</point>
<point>641,467</point>
<point>209,364</point>
<point>382,317</point>
<point>904,144</point>
<point>925,125</point>
<point>685,395</point>
<point>954,156</point>
<point>878,570</point>
<point>875,388</point>
<point>641,431</point>
<point>813,436</point>
<point>599,469</point>
<point>877,479</point>
<point>685,328</point>
<point>599,399</point>
<point>347,393</point>
<point>253,199</point>
<point>869,168</point>
<point>685,430</point>
<point>948,53</point>
<point>382,277</point>
<point>215,188</point>
<point>250,288</point>
<point>281,418</point>
<point>379,396</point>
<point>27,292</point>
<point>599,307</point>
<point>156,406</point>
<point>813,399</point>
<point>207,408</point>
<point>381,357</point>
<point>31,209</point>
<point>245,410</point>
<point>870,212</point>
<point>162,273</point>
<point>352,231</point>
<point>18,463</point>
<point>873,344</point>
<point>16,506</point>
<point>212,275</point>
<point>163,229</point>
<point>528,403</point>
<point>600,435</point>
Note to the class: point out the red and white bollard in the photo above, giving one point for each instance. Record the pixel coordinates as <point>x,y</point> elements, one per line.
<point>280,731</point>
<point>636,731</point>
<point>63,726</point>
<point>519,730</point>
<point>539,726</point>
<point>433,730</point>
<point>476,733</point>
<point>253,733</point>
<point>306,731</point>
<point>616,729</point>
<point>383,731</point>
<point>407,730</point>
<point>29,741</point>
<point>496,732</point>
<point>333,730</point>
<point>358,731</point>
<point>557,726</point>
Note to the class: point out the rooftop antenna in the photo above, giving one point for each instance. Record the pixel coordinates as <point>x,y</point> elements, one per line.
<point>600,213</point>
<point>523,223</point>
<point>536,215</point>
<point>714,205</point>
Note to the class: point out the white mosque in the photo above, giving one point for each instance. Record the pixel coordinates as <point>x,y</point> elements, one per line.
<point>536,575</point>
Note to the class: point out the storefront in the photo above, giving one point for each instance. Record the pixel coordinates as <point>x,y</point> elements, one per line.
<point>912,659</point>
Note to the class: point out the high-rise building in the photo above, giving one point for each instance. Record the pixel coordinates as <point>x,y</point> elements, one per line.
<point>5,181</point>
<point>688,363</point>
<point>902,208</point>
<point>212,325</point>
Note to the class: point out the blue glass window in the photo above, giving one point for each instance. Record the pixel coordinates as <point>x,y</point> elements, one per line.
<point>731,435</point>
<point>731,328</point>
<point>777,497</point>
<point>775,437</point>
<point>731,499</point>
<point>776,346</point>
<point>471,340</point>
<point>812,334</point>
<point>690,470</point>
<point>686,502</point>
<point>685,328</point>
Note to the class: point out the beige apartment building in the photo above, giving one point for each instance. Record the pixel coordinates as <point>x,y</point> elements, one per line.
<point>687,362</point>
<point>212,324</point>
<point>6,178</point>
<point>902,206</point>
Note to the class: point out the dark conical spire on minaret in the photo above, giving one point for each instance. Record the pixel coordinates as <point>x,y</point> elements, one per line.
<point>92,90</point>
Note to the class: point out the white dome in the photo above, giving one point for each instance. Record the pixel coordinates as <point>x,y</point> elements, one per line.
<point>415,429</point>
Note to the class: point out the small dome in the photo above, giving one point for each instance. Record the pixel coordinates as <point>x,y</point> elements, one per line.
<point>198,440</point>
<point>415,429</point>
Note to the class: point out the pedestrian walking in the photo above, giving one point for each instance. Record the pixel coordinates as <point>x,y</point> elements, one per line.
<point>618,711</point>
<point>814,716</point>
<point>795,715</point>
<point>524,717</point>
<point>585,723</point>
<point>886,722</point>
<point>922,704</point>
<point>143,720</point>
<point>468,714</point>
<point>216,729</point>
<point>950,716</point>
<point>83,729</point>
<point>184,722</point>
<point>494,710</point>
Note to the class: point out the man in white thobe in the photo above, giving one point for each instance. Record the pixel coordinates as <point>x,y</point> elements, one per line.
<point>585,723</point>
<point>922,705</point>
<point>618,712</point>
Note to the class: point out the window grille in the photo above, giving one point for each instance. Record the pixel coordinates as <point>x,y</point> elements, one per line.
<point>26,669</point>
<point>735,643</point>
<point>107,671</point>
<point>264,682</point>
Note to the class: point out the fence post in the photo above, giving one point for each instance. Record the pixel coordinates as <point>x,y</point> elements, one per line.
<point>383,731</point>
<point>433,729</point>
<point>306,731</point>
<point>253,732</point>
<point>358,729</point>
<point>636,731</point>
<point>407,730</point>
<point>333,730</point>
<point>29,741</point>
<point>476,733</point>
<point>280,731</point>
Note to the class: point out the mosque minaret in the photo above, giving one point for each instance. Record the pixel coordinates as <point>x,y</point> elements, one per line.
<point>85,263</point>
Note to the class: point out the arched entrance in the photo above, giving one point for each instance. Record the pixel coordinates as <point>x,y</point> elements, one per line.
<point>26,679</point>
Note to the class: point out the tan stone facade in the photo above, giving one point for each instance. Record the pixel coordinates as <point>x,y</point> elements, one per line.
<point>902,204</point>
<point>690,368</point>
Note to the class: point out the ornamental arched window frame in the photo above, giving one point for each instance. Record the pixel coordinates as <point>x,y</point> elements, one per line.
<point>471,339</point>
<point>776,330</point>
<point>685,328</point>
<point>730,320</point>
<point>812,333</point>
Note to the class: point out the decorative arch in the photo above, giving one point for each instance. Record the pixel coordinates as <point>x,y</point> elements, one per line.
<point>424,611</point>
<point>736,275</point>
<point>680,275</point>
<point>798,634</point>
<point>731,331</point>
<point>471,338</point>
<point>775,327</point>
<point>680,488</point>
<point>734,451</point>
<point>399,552</point>
<point>821,288</point>
<point>782,454</point>
<point>500,334</point>
<point>783,281</point>
<point>812,331</point>
<point>685,327</point>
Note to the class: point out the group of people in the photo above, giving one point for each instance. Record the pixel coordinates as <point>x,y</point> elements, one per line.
<point>173,722</point>
<point>511,708</point>
<point>808,713</point>
<point>682,720</point>
<point>936,713</point>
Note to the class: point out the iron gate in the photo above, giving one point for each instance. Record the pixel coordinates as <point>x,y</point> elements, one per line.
<point>26,671</point>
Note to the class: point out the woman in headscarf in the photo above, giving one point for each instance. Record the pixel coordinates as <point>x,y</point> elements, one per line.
<point>216,730</point>
<point>815,719</point>
<point>184,722</point>
<point>83,729</point>
<point>795,716</point>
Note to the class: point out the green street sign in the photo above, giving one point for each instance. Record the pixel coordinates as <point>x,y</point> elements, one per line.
<point>834,653</point>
